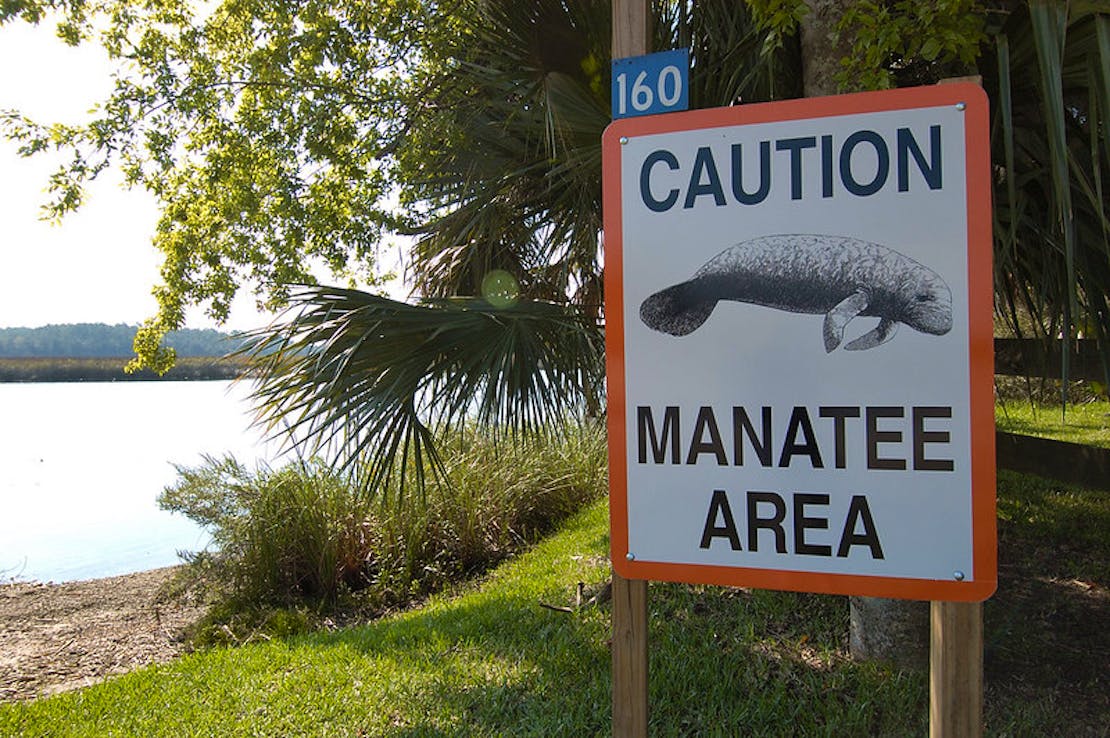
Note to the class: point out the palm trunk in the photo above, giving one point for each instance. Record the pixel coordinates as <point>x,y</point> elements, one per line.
<point>896,631</point>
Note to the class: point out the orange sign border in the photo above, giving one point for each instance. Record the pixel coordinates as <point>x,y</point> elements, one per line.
<point>980,334</point>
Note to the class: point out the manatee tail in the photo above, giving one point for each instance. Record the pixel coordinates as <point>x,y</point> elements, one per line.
<point>677,310</point>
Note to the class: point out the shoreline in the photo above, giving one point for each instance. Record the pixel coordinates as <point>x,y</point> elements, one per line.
<point>19,581</point>
<point>25,370</point>
<point>55,637</point>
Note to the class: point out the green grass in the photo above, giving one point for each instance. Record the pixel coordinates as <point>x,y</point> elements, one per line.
<point>1086,423</point>
<point>1068,524</point>
<point>492,661</point>
<point>1046,636</point>
<point>489,660</point>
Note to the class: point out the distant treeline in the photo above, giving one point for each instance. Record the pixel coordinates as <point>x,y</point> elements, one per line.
<point>102,369</point>
<point>92,340</point>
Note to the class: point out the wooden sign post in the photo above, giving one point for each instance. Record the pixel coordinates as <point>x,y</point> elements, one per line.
<point>956,670</point>
<point>631,34</point>
<point>956,649</point>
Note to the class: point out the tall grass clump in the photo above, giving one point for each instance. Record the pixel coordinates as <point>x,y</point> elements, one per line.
<point>495,499</point>
<point>293,533</point>
<point>305,535</point>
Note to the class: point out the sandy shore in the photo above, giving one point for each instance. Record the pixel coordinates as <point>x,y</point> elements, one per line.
<point>55,637</point>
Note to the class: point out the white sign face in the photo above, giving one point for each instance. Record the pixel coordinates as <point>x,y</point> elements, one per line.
<point>798,305</point>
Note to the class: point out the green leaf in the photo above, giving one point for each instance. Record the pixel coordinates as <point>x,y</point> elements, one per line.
<point>369,380</point>
<point>1049,20</point>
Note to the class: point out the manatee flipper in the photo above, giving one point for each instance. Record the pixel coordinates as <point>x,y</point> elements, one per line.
<point>677,310</point>
<point>881,333</point>
<point>837,318</point>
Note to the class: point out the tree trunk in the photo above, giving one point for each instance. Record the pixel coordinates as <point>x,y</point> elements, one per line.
<point>821,51</point>
<point>896,631</point>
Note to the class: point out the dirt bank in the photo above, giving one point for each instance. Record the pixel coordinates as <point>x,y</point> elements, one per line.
<point>55,637</point>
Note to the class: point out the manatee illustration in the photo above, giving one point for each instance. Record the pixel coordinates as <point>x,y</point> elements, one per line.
<point>836,276</point>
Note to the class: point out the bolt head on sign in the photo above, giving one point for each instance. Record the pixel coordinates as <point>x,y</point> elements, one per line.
<point>800,345</point>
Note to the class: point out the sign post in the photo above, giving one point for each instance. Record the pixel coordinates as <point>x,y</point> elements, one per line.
<point>631,34</point>
<point>956,669</point>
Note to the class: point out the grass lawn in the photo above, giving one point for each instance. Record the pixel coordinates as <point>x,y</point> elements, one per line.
<point>1087,423</point>
<point>490,660</point>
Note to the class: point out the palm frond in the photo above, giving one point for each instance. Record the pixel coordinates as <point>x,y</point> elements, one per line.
<point>518,183</point>
<point>1052,150</point>
<point>371,381</point>
<point>519,186</point>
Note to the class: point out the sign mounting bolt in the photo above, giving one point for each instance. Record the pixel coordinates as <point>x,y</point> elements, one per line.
<point>961,106</point>
<point>624,140</point>
<point>630,556</point>
<point>958,575</point>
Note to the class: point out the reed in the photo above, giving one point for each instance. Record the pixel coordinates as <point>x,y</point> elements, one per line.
<point>109,369</point>
<point>305,536</point>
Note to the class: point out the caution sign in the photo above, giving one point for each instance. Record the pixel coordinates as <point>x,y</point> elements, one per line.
<point>799,339</point>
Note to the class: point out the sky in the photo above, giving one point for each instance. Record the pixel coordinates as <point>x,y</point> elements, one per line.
<point>98,264</point>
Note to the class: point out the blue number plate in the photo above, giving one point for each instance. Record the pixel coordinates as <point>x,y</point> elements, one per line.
<point>654,83</point>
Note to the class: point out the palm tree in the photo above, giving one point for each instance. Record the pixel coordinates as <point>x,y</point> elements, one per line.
<point>1049,81</point>
<point>510,187</point>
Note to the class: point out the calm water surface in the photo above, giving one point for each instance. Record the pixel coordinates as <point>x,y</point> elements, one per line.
<point>81,466</point>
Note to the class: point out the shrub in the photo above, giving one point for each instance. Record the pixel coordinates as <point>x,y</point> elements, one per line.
<point>297,532</point>
<point>305,534</point>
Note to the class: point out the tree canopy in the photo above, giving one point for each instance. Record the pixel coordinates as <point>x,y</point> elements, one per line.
<point>263,129</point>
<point>281,136</point>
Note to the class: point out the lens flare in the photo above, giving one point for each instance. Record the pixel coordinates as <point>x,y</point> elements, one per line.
<point>500,289</point>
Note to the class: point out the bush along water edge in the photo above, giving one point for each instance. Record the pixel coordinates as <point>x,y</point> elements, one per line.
<point>301,545</point>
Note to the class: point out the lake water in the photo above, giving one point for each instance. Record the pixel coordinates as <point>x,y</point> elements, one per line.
<point>81,466</point>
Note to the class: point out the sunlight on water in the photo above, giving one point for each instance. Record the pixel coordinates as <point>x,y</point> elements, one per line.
<point>81,466</point>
